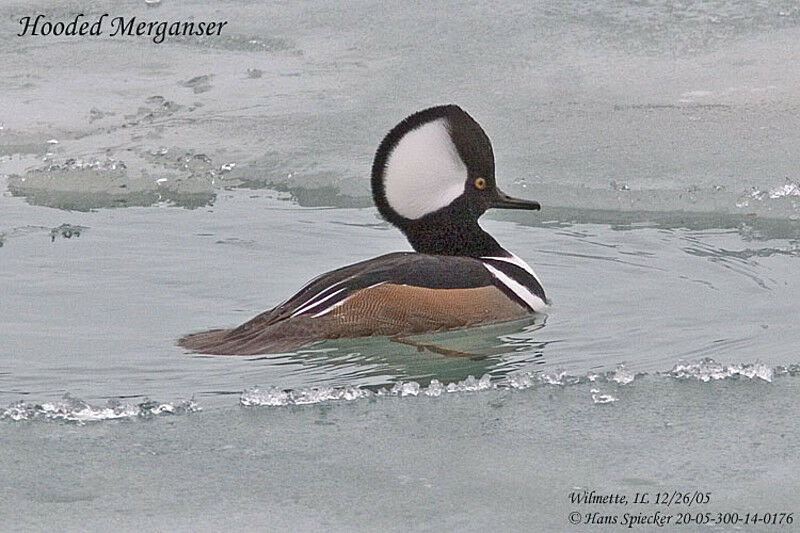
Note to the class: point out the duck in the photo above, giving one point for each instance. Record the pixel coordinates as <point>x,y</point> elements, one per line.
<point>433,177</point>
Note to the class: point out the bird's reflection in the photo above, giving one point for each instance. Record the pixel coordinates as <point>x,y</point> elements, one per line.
<point>451,356</point>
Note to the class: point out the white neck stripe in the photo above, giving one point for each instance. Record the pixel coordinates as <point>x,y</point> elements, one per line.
<point>533,301</point>
<point>514,260</point>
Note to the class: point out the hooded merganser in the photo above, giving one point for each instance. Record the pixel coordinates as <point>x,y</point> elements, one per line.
<point>432,177</point>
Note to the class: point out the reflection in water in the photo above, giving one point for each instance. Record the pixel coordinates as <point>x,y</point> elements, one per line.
<point>373,362</point>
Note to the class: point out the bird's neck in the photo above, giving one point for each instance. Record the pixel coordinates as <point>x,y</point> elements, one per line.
<point>448,235</point>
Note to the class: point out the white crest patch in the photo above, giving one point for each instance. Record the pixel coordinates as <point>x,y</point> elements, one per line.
<point>424,172</point>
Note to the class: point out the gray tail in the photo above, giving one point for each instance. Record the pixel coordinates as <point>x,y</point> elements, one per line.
<point>210,342</point>
<point>239,342</point>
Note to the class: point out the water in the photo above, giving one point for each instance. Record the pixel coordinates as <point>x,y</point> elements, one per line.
<point>196,183</point>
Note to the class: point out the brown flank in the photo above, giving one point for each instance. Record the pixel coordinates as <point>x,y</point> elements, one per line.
<point>387,310</point>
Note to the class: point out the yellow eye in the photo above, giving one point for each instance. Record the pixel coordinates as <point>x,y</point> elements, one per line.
<point>480,183</point>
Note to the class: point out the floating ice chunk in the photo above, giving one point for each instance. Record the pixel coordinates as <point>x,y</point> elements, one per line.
<point>526,380</point>
<point>17,411</point>
<point>622,375</point>
<point>410,388</point>
<point>354,393</point>
<point>787,189</point>
<point>599,397</point>
<point>757,370</point>
<point>709,370</point>
<point>471,384</point>
<point>74,410</point>
<point>270,397</point>
<point>313,395</point>
<point>554,378</point>
<point>435,388</point>
<point>274,397</point>
<point>520,380</point>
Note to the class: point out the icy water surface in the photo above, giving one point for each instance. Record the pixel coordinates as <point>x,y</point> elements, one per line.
<point>150,190</point>
<point>93,302</point>
<point>366,433</point>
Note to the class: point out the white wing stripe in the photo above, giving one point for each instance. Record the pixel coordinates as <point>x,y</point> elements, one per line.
<point>310,302</point>
<point>337,304</point>
<point>316,301</point>
<point>331,308</point>
<point>533,301</point>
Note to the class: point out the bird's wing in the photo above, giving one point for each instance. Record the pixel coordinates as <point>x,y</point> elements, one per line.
<point>323,293</point>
